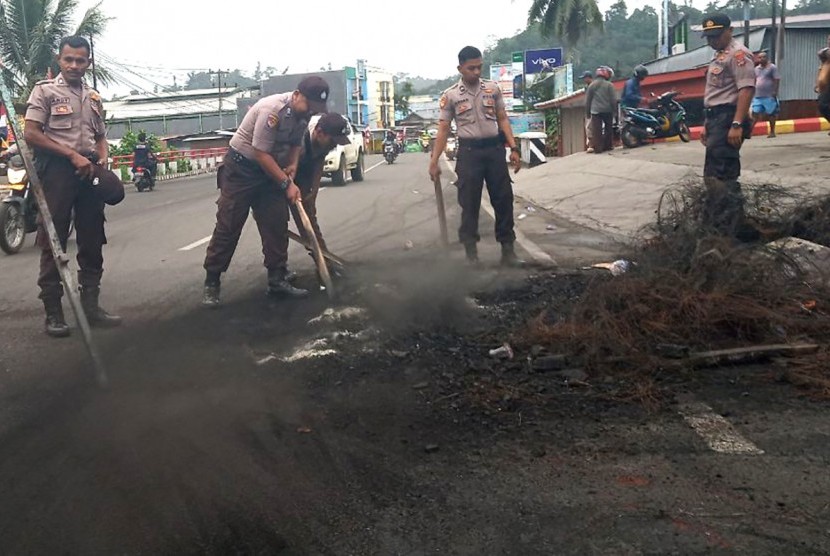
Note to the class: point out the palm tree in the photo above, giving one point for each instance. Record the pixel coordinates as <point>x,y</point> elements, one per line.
<point>30,32</point>
<point>569,20</point>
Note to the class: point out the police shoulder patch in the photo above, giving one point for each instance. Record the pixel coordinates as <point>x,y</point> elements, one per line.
<point>740,57</point>
<point>443,102</point>
<point>273,120</point>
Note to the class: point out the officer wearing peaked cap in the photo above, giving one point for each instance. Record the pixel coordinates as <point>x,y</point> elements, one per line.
<point>730,86</point>
<point>251,179</point>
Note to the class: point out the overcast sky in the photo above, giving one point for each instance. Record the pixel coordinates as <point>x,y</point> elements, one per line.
<point>156,39</point>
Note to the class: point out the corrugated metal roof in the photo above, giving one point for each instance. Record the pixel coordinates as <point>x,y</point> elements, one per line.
<point>792,22</point>
<point>697,57</point>
<point>183,103</point>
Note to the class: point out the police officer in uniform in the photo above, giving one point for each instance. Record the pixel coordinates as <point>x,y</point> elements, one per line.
<point>483,129</point>
<point>321,136</point>
<point>730,86</point>
<point>65,128</point>
<point>251,179</point>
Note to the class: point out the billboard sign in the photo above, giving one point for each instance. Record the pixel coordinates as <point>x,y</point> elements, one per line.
<point>537,61</point>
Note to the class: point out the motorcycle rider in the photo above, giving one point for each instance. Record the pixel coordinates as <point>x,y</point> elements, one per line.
<point>143,156</point>
<point>632,97</point>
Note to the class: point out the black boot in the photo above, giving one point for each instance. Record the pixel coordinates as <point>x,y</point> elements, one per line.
<point>94,314</point>
<point>55,325</point>
<point>471,251</point>
<point>278,286</point>
<point>508,256</point>
<point>210,297</point>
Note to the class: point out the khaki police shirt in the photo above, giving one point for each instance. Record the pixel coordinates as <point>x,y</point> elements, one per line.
<point>730,70</point>
<point>475,111</point>
<point>271,126</point>
<point>72,116</point>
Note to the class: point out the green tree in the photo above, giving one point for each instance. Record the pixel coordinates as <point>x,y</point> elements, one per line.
<point>30,32</point>
<point>402,93</point>
<point>570,20</point>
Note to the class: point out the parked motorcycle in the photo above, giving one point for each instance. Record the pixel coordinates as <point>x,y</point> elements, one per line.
<point>452,148</point>
<point>143,179</point>
<point>18,210</point>
<point>390,152</point>
<point>665,118</point>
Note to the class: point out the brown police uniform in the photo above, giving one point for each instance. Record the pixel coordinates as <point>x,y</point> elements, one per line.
<point>481,157</point>
<point>73,117</point>
<point>309,173</point>
<point>730,70</point>
<point>269,126</point>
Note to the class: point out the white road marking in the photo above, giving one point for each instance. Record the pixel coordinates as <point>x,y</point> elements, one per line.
<point>195,244</point>
<point>375,166</point>
<point>718,433</point>
<point>538,254</point>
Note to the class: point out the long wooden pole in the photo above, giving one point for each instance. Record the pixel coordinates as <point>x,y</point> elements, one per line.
<point>60,256</point>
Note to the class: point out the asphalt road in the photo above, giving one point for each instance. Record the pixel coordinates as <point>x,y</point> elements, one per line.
<point>196,449</point>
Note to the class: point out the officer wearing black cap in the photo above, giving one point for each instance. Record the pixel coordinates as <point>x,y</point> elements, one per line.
<point>321,136</point>
<point>730,86</point>
<point>65,128</point>
<point>250,178</point>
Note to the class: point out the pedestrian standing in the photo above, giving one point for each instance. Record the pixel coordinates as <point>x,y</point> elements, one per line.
<point>765,105</point>
<point>600,107</point>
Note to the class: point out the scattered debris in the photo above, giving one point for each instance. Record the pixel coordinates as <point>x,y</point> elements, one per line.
<point>420,386</point>
<point>267,359</point>
<point>431,448</point>
<point>408,245</point>
<point>332,315</point>
<point>304,430</point>
<point>616,268</point>
<point>550,227</point>
<point>550,363</point>
<point>530,209</point>
<point>503,352</point>
<point>399,354</point>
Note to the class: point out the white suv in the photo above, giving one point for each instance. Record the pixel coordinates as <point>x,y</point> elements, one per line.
<point>344,159</point>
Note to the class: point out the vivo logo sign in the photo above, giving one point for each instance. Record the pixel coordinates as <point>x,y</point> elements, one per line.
<point>545,59</point>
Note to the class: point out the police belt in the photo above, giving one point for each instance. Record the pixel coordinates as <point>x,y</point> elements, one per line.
<point>720,109</point>
<point>239,158</point>
<point>486,143</point>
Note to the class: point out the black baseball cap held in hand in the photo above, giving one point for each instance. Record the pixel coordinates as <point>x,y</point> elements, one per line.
<point>335,126</point>
<point>715,24</point>
<point>316,90</point>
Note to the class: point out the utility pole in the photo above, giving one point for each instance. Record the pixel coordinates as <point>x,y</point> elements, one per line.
<point>746,23</point>
<point>779,39</point>
<point>219,73</point>
<point>772,54</point>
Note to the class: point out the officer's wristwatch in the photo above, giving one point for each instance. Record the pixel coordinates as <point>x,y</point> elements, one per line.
<point>736,125</point>
<point>516,150</point>
<point>285,183</point>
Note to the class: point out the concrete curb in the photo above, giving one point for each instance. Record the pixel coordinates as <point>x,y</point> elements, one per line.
<point>803,125</point>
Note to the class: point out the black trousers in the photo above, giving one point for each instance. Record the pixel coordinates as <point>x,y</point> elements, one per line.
<point>65,192</point>
<point>824,104</point>
<point>476,166</point>
<point>723,208</point>
<point>602,132</point>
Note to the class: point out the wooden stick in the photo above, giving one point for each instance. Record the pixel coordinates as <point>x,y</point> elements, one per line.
<point>442,214</point>
<point>60,256</point>
<point>326,253</point>
<point>322,269</point>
